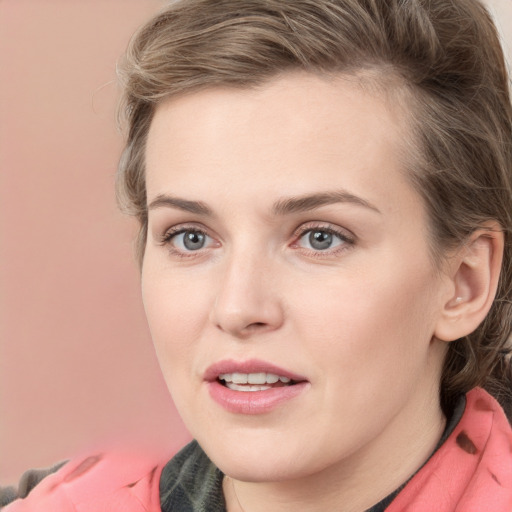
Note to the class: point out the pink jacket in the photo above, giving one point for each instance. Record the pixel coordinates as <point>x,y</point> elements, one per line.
<point>111,482</point>
<point>471,472</point>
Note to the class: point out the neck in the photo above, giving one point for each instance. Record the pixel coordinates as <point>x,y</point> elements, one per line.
<point>357,482</point>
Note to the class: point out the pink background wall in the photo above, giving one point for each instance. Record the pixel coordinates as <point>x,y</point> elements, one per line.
<point>76,361</point>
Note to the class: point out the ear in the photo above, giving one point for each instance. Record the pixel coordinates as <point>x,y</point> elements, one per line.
<point>474,273</point>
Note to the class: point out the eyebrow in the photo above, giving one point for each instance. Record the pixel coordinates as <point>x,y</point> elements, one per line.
<point>196,207</point>
<point>310,202</point>
<point>281,207</point>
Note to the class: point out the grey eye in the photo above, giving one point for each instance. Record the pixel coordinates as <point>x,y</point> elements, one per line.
<point>189,240</point>
<point>193,240</point>
<point>320,240</point>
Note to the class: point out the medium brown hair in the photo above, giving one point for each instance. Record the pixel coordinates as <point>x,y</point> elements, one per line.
<point>446,53</point>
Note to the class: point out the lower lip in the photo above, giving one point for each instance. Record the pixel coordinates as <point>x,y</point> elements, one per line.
<point>253,402</point>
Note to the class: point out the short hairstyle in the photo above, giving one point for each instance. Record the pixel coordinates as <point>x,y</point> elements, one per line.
<point>446,54</point>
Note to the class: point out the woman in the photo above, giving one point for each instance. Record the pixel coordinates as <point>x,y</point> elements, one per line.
<point>324,197</point>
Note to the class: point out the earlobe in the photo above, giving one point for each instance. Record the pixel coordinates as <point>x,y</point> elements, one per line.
<point>474,272</point>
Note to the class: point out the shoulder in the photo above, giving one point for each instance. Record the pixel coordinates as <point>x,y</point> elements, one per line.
<point>472,470</point>
<point>27,482</point>
<point>115,481</point>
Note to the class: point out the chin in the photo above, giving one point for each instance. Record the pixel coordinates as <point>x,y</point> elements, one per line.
<point>259,460</point>
<point>259,471</point>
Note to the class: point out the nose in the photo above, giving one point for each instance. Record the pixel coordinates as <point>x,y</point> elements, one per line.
<point>247,300</point>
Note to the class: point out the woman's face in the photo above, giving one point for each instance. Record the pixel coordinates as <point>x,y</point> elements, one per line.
<point>287,249</point>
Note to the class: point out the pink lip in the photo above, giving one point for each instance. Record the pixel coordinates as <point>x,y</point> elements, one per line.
<point>251,402</point>
<point>250,366</point>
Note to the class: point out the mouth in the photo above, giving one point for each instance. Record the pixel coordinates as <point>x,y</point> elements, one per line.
<point>250,382</point>
<point>252,387</point>
<point>251,375</point>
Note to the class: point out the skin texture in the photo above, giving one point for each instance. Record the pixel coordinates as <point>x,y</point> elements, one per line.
<point>357,320</point>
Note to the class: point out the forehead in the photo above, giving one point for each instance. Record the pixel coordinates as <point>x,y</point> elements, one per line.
<point>296,132</point>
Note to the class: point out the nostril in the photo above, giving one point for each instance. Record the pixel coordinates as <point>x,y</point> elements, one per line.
<point>256,325</point>
<point>242,317</point>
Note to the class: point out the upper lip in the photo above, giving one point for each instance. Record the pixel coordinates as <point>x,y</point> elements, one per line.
<point>250,366</point>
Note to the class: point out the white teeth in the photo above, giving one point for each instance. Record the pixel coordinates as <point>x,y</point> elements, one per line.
<point>257,378</point>
<point>271,378</point>
<point>239,378</point>
<point>252,378</point>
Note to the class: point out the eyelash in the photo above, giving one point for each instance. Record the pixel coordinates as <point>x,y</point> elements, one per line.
<point>347,240</point>
<point>173,232</point>
<point>178,230</point>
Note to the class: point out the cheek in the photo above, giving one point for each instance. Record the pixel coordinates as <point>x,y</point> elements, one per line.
<point>176,315</point>
<point>367,338</point>
<point>370,324</point>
